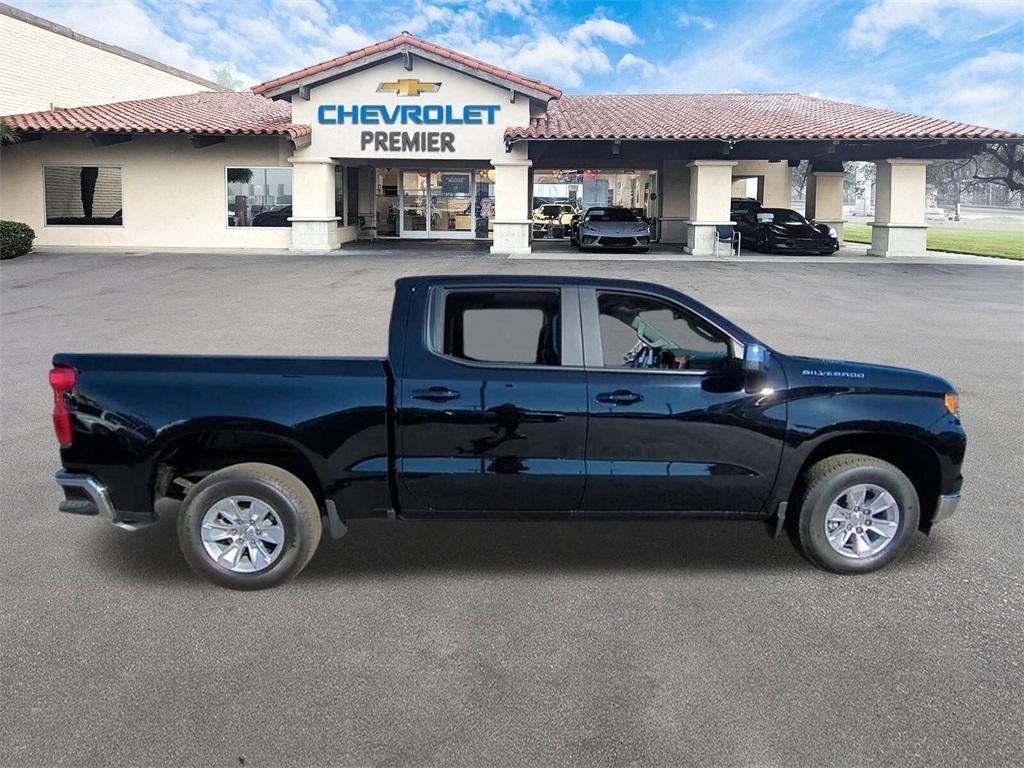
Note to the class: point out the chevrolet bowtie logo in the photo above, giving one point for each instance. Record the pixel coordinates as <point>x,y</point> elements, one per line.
<point>409,87</point>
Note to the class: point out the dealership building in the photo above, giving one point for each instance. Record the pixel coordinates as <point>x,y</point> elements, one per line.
<point>406,139</point>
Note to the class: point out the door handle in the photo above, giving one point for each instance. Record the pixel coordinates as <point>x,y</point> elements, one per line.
<point>435,394</point>
<point>619,397</point>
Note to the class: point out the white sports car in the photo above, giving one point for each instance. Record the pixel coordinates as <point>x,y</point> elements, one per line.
<point>611,227</point>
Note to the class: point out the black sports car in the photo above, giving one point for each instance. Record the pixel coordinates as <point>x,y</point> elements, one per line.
<point>273,217</point>
<point>738,206</point>
<point>780,229</point>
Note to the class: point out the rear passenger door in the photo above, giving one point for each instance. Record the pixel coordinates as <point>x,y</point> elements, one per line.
<point>492,406</point>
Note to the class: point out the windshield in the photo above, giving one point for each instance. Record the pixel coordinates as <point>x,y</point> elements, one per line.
<point>779,216</point>
<point>550,211</point>
<point>610,214</point>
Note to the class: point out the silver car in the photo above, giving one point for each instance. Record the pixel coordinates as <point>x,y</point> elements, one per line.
<point>612,227</point>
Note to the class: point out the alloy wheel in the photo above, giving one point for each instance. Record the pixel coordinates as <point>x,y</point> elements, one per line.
<point>242,534</point>
<point>862,521</point>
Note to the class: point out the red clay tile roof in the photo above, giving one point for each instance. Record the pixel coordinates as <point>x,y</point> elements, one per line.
<point>197,113</point>
<point>407,39</point>
<point>726,116</point>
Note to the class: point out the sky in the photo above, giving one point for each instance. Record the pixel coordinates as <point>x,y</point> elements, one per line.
<point>956,59</point>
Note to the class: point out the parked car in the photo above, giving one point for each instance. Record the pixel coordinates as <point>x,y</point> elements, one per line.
<point>510,397</point>
<point>273,217</point>
<point>738,206</point>
<point>780,229</point>
<point>610,227</point>
<point>552,220</point>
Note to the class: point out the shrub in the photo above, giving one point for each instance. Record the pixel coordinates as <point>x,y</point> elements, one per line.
<point>15,239</point>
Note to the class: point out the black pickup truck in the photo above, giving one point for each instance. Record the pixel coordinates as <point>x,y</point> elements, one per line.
<point>510,397</point>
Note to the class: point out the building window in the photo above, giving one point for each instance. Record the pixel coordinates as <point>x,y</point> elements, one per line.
<point>83,194</point>
<point>259,197</point>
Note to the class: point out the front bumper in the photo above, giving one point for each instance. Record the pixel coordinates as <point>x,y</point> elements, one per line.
<point>945,507</point>
<point>803,245</point>
<point>635,242</point>
<point>85,495</point>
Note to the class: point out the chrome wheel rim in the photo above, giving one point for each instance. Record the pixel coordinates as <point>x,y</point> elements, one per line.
<point>862,521</point>
<point>242,534</point>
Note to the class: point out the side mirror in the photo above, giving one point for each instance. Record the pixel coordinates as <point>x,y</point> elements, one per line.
<point>755,358</point>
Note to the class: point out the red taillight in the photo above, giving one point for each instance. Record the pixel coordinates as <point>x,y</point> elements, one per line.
<point>63,381</point>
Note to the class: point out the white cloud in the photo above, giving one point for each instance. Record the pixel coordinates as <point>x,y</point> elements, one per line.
<point>514,8</point>
<point>690,20</point>
<point>563,59</point>
<point>987,90</point>
<point>940,19</point>
<point>345,38</point>
<point>629,64</point>
<point>604,29</point>
<point>732,57</point>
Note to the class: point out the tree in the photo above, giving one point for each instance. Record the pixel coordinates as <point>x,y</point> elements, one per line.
<point>239,175</point>
<point>7,133</point>
<point>997,165</point>
<point>224,76</point>
<point>1001,164</point>
<point>798,179</point>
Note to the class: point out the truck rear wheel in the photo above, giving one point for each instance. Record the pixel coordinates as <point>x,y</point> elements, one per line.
<point>249,526</point>
<point>856,513</point>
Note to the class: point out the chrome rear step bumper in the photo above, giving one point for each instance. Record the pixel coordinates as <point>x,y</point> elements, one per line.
<point>96,501</point>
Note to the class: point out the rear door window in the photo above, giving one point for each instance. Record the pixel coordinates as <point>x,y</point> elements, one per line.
<point>516,327</point>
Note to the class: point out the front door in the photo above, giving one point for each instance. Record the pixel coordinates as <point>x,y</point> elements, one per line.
<point>493,403</point>
<point>438,204</point>
<point>672,428</point>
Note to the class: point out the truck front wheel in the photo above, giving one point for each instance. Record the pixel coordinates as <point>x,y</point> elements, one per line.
<point>856,513</point>
<point>249,526</point>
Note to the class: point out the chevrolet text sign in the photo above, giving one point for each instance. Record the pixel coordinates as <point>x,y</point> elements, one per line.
<point>385,111</point>
<point>426,114</point>
<point>406,114</point>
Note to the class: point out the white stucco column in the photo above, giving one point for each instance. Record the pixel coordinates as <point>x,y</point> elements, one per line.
<point>675,201</point>
<point>710,190</point>
<point>825,199</point>
<point>777,189</point>
<point>314,225</point>
<point>774,180</point>
<point>512,220</point>
<point>899,228</point>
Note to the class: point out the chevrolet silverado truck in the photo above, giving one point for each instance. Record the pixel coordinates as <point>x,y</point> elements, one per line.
<point>510,397</point>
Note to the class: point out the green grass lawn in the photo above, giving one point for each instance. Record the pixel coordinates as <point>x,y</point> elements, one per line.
<point>1008,245</point>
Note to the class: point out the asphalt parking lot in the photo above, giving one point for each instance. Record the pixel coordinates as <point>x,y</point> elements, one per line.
<point>509,644</point>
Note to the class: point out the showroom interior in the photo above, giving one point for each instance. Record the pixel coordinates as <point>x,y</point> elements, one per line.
<point>406,139</point>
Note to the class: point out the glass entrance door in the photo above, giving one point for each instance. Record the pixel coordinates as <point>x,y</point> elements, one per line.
<point>438,204</point>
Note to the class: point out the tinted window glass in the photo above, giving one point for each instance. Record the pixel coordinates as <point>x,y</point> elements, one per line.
<point>642,332</point>
<point>83,194</point>
<point>503,327</point>
<point>259,197</point>
<point>610,214</point>
<point>779,216</point>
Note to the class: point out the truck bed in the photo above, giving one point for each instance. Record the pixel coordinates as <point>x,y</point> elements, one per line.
<point>331,411</point>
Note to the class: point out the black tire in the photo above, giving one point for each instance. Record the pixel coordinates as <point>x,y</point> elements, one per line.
<point>823,482</point>
<point>290,499</point>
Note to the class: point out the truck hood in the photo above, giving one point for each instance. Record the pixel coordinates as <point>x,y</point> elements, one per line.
<point>810,371</point>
